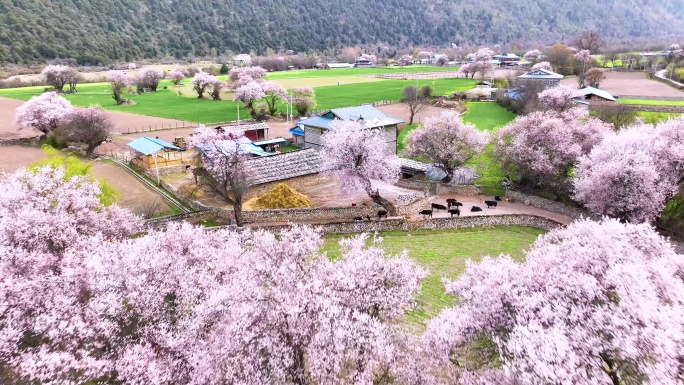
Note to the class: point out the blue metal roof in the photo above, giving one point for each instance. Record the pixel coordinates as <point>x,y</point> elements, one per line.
<point>296,131</point>
<point>149,146</point>
<point>317,121</point>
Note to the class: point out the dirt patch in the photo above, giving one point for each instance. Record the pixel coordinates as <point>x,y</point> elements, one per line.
<point>7,128</point>
<point>400,111</point>
<point>631,83</point>
<point>134,194</point>
<point>15,157</point>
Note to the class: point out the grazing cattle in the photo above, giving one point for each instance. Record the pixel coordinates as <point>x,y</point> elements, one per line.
<point>368,217</point>
<point>382,213</point>
<point>437,206</point>
<point>455,211</point>
<point>358,218</point>
<point>490,204</point>
<point>426,212</point>
<point>475,209</point>
<point>451,202</point>
<point>497,198</point>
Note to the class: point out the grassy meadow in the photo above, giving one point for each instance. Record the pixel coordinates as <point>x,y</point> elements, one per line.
<point>167,103</point>
<point>444,253</point>
<point>652,102</point>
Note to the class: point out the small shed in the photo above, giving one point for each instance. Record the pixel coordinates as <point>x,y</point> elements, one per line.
<point>595,95</point>
<point>148,150</point>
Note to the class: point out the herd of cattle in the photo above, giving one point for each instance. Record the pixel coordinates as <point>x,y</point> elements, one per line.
<point>452,207</point>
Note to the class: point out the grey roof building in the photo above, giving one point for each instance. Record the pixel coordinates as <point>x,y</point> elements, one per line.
<point>366,115</point>
<point>283,166</point>
<point>547,77</point>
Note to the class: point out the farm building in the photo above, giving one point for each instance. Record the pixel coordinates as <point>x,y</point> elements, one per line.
<point>594,96</point>
<point>284,166</point>
<point>152,153</point>
<point>243,59</point>
<point>297,135</point>
<point>507,58</point>
<point>332,66</point>
<point>367,115</point>
<point>253,131</point>
<point>363,62</point>
<point>546,77</point>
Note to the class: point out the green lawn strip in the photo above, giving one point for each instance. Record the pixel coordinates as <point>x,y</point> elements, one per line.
<point>168,104</point>
<point>360,93</point>
<point>652,102</point>
<point>402,136</point>
<point>289,148</point>
<point>444,253</point>
<point>355,71</point>
<point>652,117</point>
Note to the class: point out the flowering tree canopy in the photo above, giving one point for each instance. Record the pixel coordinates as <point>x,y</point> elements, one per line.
<point>632,173</point>
<point>44,210</point>
<point>132,66</point>
<point>249,93</point>
<point>303,99</point>
<point>118,81</point>
<point>584,56</point>
<point>544,65</point>
<point>241,76</point>
<point>60,75</point>
<point>149,78</point>
<point>558,98</point>
<point>189,305</point>
<point>468,69</point>
<point>356,156</point>
<point>176,76</point>
<point>42,112</point>
<point>201,81</point>
<point>445,141</point>
<point>424,54</point>
<point>594,77</point>
<point>594,303</point>
<point>532,54</point>
<point>273,92</point>
<point>483,61</point>
<point>222,165</point>
<point>544,146</point>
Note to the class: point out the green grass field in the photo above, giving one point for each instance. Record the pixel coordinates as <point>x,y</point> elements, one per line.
<point>651,102</point>
<point>444,253</point>
<point>355,71</point>
<point>168,104</point>
<point>485,116</point>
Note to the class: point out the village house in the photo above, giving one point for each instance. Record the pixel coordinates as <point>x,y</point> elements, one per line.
<point>594,96</point>
<point>243,59</point>
<point>368,116</point>
<point>507,59</point>
<point>363,62</point>
<point>546,77</point>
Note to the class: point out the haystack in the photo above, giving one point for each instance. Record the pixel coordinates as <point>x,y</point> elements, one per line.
<point>283,197</point>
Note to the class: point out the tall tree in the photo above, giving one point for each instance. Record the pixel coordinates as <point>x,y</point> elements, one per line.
<point>273,92</point>
<point>303,99</point>
<point>415,100</point>
<point>201,81</point>
<point>354,154</point>
<point>446,142</point>
<point>148,78</point>
<point>588,40</point>
<point>90,126</point>
<point>542,148</point>
<point>223,166</point>
<point>60,75</point>
<point>43,112</point>
<point>594,303</point>
<point>176,77</point>
<point>118,82</point>
<point>248,94</point>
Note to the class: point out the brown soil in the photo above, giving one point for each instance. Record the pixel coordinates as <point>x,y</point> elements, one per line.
<point>7,128</point>
<point>631,83</point>
<point>400,111</point>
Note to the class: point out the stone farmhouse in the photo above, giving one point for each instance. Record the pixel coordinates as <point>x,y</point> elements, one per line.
<point>368,116</point>
<point>546,77</point>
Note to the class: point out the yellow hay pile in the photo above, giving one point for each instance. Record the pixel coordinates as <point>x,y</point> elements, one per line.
<point>282,197</point>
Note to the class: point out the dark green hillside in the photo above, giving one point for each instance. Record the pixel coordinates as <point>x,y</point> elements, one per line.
<point>106,30</point>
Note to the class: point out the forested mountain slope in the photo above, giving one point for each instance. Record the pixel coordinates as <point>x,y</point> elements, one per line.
<point>93,31</point>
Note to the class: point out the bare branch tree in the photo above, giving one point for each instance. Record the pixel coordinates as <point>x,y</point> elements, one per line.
<point>589,40</point>
<point>89,126</point>
<point>619,115</point>
<point>149,209</point>
<point>415,99</point>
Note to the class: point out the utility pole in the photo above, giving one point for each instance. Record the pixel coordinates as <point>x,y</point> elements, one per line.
<point>238,114</point>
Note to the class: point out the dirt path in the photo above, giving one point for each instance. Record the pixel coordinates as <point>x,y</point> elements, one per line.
<point>400,111</point>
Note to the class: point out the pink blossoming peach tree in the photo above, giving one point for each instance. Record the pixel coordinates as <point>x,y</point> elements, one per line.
<point>43,112</point>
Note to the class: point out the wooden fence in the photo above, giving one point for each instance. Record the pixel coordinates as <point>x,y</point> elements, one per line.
<point>176,125</point>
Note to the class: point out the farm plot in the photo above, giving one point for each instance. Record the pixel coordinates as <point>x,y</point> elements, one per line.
<point>632,83</point>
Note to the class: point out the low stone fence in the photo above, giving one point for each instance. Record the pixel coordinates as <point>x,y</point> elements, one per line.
<point>314,214</point>
<point>434,188</point>
<point>549,205</point>
<point>18,141</point>
<point>435,224</point>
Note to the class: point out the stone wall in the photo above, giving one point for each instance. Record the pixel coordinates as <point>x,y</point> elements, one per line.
<point>435,224</point>
<point>18,141</point>
<point>313,214</point>
<point>434,188</point>
<point>549,205</point>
